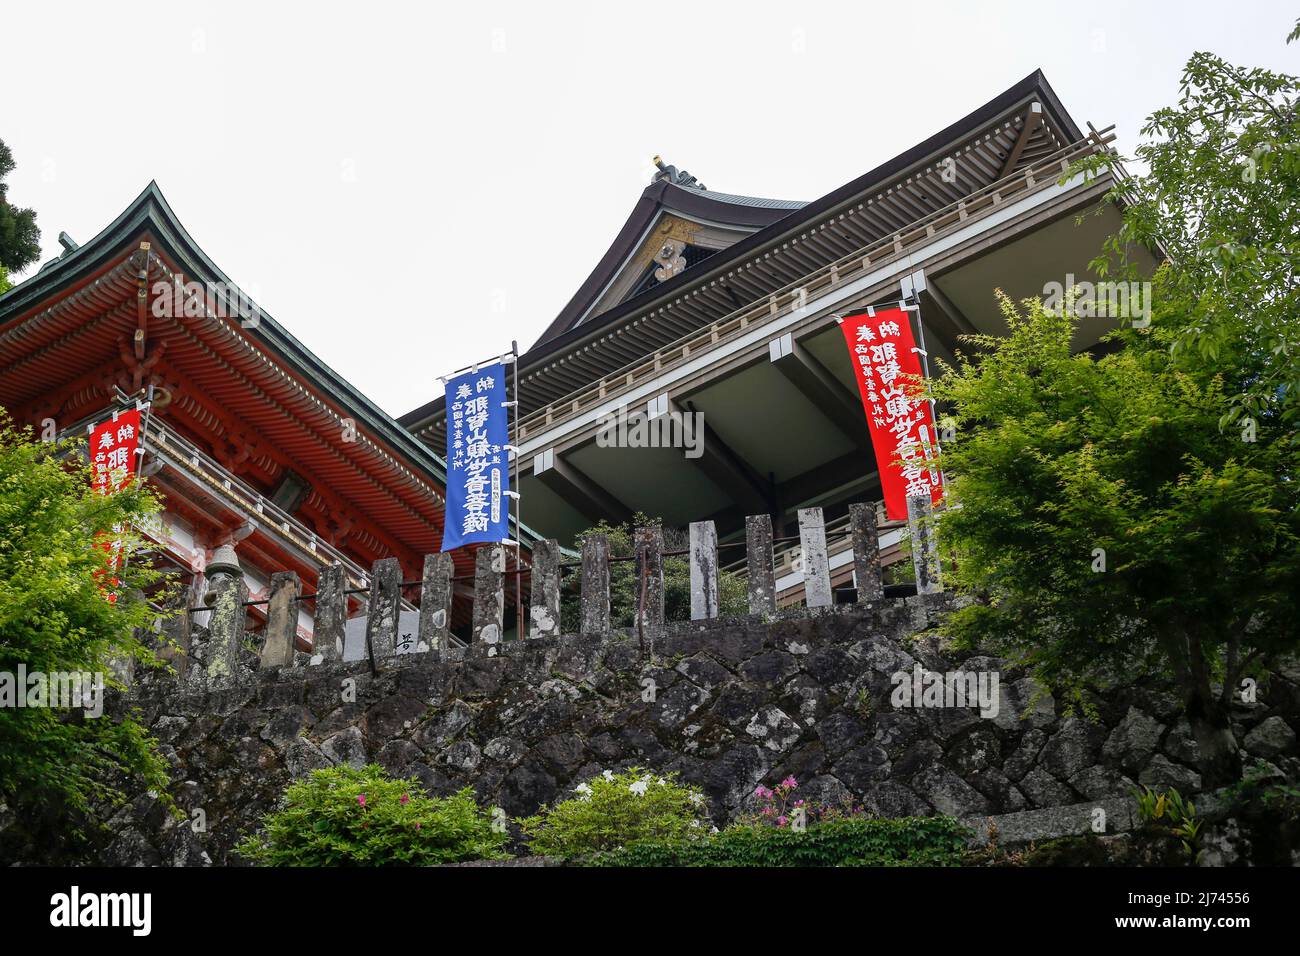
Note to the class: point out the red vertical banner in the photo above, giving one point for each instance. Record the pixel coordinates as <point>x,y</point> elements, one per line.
<point>112,466</point>
<point>888,373</point>
<point>112,451</point>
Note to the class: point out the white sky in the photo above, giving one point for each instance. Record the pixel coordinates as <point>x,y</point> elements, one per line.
<point>407,187</point>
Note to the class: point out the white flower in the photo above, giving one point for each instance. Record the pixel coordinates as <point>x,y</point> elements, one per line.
<point>583,789</point>
<point>714,830</point>
<point>639,788</point>
<point>608,774</point>
<point>695,823</point>
<point>697,799</point>
<point>661,781</point>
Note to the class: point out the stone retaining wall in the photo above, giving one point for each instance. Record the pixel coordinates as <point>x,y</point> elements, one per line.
<point>728,703</point>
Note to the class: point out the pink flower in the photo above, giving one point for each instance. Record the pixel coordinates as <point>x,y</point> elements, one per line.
<point>780,821</point>
<point>361,799</point>
<point>417,825</point>
<point>405,800</point>
<point>798,803</point>
<point>790,782</point>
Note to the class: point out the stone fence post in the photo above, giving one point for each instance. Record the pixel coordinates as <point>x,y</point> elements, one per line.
<point>329,623</point>
<point>544,614</point>
<point>816,563</point>
<point>281,620</point>
<point>226,627</point>
<point>704,570</point>
<point>866,552</point>
<point>489,595</point>
<point>435,601</point>
<point>385,609</point>
<point>650,569</point>
<point>758,554</point>
<point>218,658</point>
<point>178,631</point>
<point>925,554</point>
<point>595,584</point>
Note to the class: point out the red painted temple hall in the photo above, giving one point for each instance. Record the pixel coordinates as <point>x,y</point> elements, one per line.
<point>252,441</point>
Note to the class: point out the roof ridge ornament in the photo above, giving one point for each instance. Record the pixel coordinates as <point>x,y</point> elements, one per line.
<point>675,176</point>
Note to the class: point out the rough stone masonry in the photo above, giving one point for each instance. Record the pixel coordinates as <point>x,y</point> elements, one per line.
<point>727,703</point>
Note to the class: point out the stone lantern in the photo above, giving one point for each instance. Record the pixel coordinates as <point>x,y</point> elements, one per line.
<point>224,563</point>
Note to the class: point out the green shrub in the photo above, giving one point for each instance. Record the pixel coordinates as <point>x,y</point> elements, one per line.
<point>1159,808</point>
<point>908,841</point>
<point>342,816</point>
<point>615,809</point>
<point>1261,792</point>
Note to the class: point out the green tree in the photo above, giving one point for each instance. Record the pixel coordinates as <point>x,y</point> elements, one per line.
<point>1221,199</point>
<point>59,766</point>
<point>20,239</point>
<point>1108,525</point>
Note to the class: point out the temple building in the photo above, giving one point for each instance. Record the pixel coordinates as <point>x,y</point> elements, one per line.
<point>722,310</point>
<point>253,442</point>
<point>713,312</point>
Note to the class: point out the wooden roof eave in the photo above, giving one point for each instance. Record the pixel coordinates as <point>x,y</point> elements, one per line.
<point>994,119</point>
<point>992,116</point>
<point>150,216</point>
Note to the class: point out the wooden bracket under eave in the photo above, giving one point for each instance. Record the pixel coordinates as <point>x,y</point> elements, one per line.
<point>142,303</point>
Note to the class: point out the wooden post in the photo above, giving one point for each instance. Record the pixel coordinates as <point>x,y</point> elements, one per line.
<point>330,620</point>
<point>866,552</point>
<point>816,564</point>
<point>762,577</point>
<point>385,608</point>
<point>704,570</point>
<point>281,620</point>
<point>435,601</point>
<point>544,616</point>
<point>595,584</point>
<point>489,595</point>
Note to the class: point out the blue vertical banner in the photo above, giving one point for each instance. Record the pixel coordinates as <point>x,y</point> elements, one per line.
<point>478,465</point>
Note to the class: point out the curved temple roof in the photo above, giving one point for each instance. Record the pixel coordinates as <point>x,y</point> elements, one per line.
<point>675,206</point>
<point>149,215</point>
<point>767,243</point>
<point>67,332</point>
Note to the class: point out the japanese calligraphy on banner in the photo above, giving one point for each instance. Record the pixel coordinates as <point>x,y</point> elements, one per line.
<point>112,466</point>
<point>888,371</point>
<point>112,451</point>
<point>478,467</point>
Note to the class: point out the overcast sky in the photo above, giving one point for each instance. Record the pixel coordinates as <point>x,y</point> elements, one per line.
<point>407,187</point>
